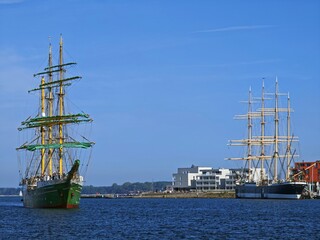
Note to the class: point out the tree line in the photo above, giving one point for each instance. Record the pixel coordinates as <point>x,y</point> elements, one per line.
<point>125,188</point>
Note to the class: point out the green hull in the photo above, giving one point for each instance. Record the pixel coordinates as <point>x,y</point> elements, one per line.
<point>59,195</point>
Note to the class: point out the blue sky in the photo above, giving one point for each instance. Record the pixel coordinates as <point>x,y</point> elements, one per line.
<point>162,79</point>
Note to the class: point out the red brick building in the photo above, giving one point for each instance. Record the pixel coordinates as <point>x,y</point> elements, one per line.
<point>307,171</point>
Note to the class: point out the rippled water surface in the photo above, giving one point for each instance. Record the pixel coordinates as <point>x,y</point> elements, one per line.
<point>163,219</point>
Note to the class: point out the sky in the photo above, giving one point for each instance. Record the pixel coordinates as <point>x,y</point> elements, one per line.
<point>161,79</point>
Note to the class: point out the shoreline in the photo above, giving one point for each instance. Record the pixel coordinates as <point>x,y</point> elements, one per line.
<point>10,196</point>
<point>218,194</point>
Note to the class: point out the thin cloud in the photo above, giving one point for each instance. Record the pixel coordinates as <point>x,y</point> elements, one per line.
<point>14,71</point>
<point>235,28</point>
<point>255,62</point>
<point>10,57</point>
<point>11,1</point>
<point>249,62</point>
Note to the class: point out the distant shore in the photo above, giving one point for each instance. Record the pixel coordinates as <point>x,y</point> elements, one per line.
<point>217,194</point>
<point>11,195</point>
<point>220,194</point>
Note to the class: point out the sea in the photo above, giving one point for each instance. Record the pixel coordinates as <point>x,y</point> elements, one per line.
<point>164,218</point>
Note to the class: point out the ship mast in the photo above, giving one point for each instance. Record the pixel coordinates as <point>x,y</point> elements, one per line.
<point>273,163</point>
<point>249,148</point>
<point>50,110</point>
<point>276,134</point>
<point>288,139</point>
<point>42,129</point>
<point>262,123</point>
<point>61,106</point>
<point>51,140</point>
<point>250,141</point>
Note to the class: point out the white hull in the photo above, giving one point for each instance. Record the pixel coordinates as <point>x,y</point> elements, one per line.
<point>288,190</point>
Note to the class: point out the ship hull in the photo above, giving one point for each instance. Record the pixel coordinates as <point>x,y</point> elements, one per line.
<point>287,190</point>
<point>64,194</point>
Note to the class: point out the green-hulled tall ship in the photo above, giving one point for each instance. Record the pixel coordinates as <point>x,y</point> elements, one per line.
<point>51,159</point>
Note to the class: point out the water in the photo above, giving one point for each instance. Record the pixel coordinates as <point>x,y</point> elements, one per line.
<point>163,219</point>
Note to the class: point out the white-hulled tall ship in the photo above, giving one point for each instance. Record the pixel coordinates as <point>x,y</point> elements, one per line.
<point>269,149</point>
<point>51,158</point>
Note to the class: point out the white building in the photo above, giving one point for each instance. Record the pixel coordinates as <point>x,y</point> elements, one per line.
<point>204,179</point>
<point>185,178</point>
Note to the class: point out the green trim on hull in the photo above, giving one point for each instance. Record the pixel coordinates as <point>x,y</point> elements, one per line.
<point>59,195</point>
